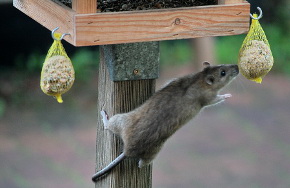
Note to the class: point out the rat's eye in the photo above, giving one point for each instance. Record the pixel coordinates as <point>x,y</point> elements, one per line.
<point>223,73</point>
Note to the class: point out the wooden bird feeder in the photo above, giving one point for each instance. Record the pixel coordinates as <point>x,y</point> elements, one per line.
<point>229,17</point>
<point>127,72</point>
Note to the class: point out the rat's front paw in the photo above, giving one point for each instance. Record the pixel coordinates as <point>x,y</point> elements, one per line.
<point>220,98</point>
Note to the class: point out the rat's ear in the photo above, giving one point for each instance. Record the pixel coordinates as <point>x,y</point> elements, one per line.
<point>206,64</point>
<point>209,79</point>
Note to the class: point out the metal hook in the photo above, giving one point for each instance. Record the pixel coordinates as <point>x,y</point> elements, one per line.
<point>260,16</point>
<point>63,35</point>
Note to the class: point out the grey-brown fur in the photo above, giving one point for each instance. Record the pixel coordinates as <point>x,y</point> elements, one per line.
<point>145,129</point>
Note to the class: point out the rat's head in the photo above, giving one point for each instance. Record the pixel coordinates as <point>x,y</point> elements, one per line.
<point>216,77</point>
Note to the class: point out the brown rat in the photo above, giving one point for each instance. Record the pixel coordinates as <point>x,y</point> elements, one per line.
<point>145,129</point>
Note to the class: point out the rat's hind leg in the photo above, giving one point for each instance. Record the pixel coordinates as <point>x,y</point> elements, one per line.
<point>105,119</point>
<point>114,124</point>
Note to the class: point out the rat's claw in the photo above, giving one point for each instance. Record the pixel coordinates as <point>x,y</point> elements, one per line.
<point>105,118</point>
<point>227,95</point>
<point>104,114</point>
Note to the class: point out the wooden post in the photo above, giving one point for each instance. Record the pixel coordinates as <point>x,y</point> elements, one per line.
<point>119,97</point>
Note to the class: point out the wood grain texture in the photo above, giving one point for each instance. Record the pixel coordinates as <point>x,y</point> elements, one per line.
<point>84,6</point>
<point>49,14</point>
<point>119,97</point>
<point>167,24</point>
<point>222,2</point>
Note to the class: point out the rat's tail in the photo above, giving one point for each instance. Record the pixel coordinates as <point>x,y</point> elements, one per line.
<point>108,168</point>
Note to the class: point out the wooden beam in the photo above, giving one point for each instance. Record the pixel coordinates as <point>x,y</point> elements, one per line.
<point>84,6</point>
<point>49,14</point>
<point>167,24</point>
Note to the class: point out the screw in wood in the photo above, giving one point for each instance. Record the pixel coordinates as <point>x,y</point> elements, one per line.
<point>136,71</point>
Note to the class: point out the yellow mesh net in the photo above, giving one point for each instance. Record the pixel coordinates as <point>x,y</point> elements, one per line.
<point>255,56</point>
<point>57,75</point>
<point>56,48</point>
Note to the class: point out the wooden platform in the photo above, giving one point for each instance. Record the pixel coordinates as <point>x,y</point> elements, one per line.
<point>231,18</point>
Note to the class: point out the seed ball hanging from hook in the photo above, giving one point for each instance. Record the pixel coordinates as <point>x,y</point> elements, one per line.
<point>57,75</point>
<point>255,56</point>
